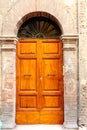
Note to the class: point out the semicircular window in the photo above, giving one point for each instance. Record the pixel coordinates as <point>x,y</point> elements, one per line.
<point>39,27</point>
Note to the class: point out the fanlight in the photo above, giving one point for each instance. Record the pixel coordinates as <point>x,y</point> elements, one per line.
<point>39,27</point>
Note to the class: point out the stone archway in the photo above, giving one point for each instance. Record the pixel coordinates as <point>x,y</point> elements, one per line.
<point>39,14</point>
<point>8,50</point>
<point>46,33</point>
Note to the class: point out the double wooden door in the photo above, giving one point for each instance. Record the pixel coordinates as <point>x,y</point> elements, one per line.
<point>39,77</point>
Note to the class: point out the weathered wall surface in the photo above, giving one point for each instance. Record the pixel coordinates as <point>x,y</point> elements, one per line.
<point>66,11</point>
<point>83,62</point>
<point>0,80</point>
<point>11,11</point>
<point>8,82</point>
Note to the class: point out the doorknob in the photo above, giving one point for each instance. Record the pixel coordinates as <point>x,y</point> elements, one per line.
<point>41,78</point>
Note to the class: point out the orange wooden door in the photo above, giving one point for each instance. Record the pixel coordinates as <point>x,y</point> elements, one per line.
<point>39,82</point>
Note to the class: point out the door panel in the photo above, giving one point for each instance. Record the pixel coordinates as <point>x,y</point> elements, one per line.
<point>50,47</point>
<point>39,82</point>
<point>52,83</point>
<point>27,74</point>
<point>27,90</point>
<point>51,117</point>
<point>50,74</point>
<point>28,102</point>
<point>28,48</point>
<point>51,101</point>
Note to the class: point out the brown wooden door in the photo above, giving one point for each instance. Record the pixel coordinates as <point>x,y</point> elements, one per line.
<point>39,82</point>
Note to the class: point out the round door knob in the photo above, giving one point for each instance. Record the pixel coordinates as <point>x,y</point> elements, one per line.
<point>41,78</point>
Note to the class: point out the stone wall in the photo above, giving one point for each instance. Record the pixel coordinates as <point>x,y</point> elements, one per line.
<point>70,54</point>
<point>0,79</point>
<point>83,62</point>
<point>11,11</point>
<point>8,55</point>
<point>66,11</point>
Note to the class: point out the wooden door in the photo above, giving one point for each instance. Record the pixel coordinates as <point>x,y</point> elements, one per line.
<point>39,82</point>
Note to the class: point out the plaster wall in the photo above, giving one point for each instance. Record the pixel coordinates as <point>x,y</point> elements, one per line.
<point>66,11</point>
<point>83,62</point>
<point>11,11</point>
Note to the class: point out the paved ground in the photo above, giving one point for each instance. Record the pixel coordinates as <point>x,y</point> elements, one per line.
<point>43,127</point>
<point>38,127</point>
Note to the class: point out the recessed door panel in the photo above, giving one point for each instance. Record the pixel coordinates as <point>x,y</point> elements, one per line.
<point>50,48</point>
<point>51,101</point>
<point>28,74</point>
<point>50,74</point>
<point>28,101</point>
<point>24,48</point>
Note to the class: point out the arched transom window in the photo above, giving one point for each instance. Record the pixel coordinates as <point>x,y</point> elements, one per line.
<point>39,27</point>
